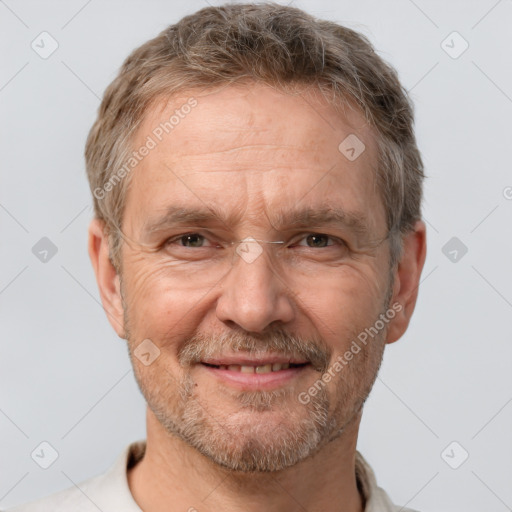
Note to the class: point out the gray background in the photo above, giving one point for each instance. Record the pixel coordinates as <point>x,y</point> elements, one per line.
<point>65,377</point>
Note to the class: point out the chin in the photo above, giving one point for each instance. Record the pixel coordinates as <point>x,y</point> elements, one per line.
<point>260,435</point>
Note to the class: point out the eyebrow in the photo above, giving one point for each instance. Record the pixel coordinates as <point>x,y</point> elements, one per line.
<point>175,216</point>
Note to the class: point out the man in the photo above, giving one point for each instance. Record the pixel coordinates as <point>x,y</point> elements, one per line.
<point>257,241</point>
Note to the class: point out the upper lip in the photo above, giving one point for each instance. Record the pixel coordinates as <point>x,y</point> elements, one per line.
<point>253,361</point>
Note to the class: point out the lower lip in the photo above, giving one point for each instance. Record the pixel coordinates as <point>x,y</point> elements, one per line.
<point>257,380</point>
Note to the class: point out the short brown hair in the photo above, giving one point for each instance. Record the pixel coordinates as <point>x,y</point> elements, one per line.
<point>280,46</point>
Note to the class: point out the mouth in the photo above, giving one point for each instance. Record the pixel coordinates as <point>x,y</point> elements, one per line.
<point>256,368</point>
<point>247,373</point>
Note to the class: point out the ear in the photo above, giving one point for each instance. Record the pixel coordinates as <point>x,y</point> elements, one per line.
<point>106,276</point>
<point>407,280</point>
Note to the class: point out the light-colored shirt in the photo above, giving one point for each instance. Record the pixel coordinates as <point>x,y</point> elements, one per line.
<point>109,492</point>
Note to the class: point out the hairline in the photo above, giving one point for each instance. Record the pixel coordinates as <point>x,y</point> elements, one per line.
<point>161,100</point>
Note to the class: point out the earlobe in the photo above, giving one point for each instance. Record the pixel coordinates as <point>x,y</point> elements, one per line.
<point>407,279</point>
<point>107,277</point>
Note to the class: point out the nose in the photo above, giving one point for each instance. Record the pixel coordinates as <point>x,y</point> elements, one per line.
<point>254,295</point>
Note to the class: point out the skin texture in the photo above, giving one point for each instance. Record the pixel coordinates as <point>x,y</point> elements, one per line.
<point>251,153</point>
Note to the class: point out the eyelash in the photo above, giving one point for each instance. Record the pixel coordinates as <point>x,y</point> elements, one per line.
<point>338,241</point>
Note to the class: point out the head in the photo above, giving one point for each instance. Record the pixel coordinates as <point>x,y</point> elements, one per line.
<point>256,121</point>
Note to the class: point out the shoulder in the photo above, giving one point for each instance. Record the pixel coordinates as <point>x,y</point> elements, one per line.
<point>402,509</point>
<point>108,492</point>
<point>381,502</point>
<point>377,500</point>
<point>73,499</point>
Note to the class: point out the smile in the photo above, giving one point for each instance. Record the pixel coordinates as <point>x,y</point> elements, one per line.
<point>255,374</point>
<point>265,368</point>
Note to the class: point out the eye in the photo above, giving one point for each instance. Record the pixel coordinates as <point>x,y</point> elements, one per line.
<point>189,240</point>
<point>320,240</point>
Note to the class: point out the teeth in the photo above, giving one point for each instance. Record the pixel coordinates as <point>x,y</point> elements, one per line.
<point>265,368</point>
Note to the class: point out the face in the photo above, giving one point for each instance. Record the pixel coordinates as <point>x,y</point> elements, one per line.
<point>244,333</point>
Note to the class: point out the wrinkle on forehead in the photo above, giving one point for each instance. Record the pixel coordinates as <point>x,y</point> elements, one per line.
<point>245,110</point>
<point>221,151</point>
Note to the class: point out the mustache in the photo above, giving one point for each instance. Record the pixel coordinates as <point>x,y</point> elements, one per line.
<point>202,346</point>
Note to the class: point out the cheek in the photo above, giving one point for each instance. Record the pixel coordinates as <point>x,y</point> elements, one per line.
<point>155,308</point>
<point>352,303</point>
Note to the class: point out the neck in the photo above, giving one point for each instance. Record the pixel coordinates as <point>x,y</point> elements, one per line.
<point>174,474</point>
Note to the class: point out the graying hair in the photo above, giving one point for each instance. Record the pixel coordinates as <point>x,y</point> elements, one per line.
<point>283,47</point>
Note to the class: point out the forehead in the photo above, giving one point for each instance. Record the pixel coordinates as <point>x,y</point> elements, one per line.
<point>253,148</point>
<point>252,112</point>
